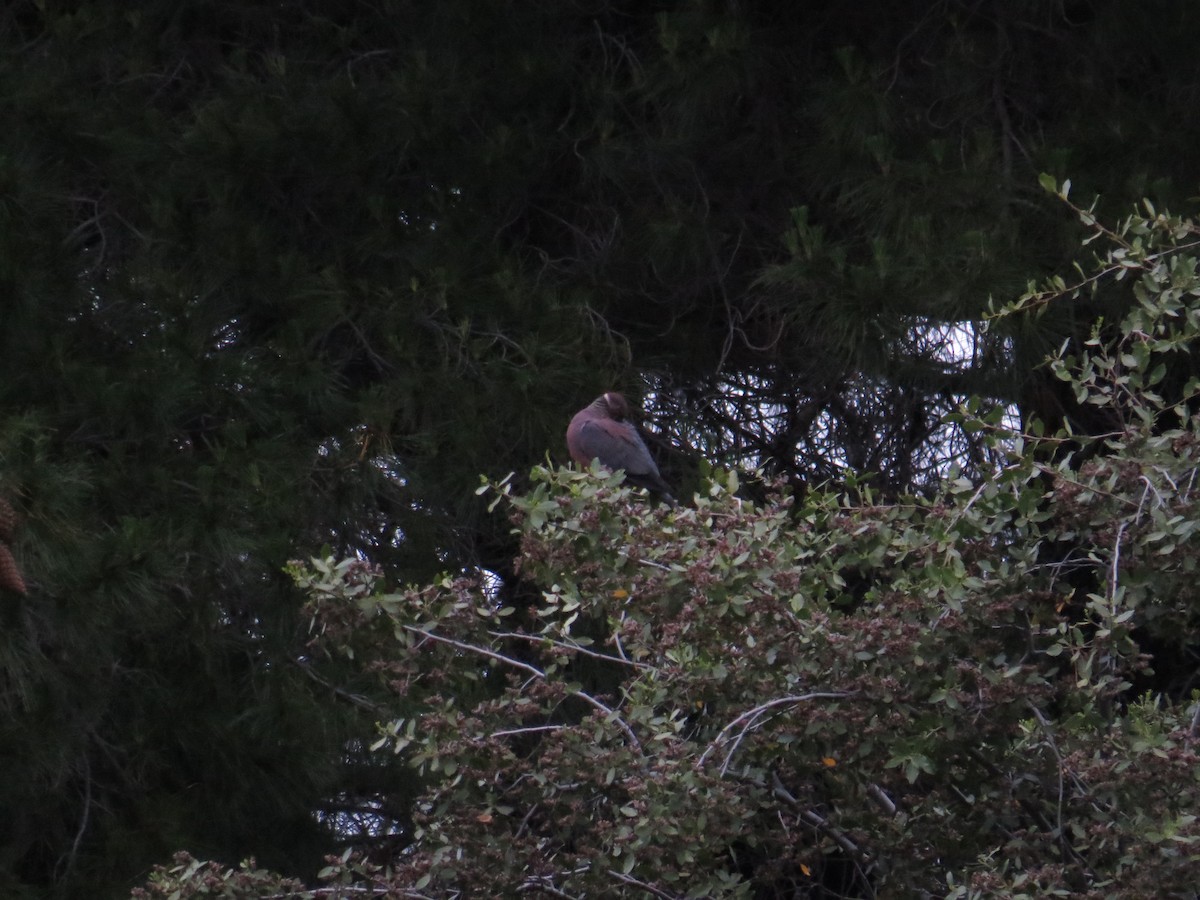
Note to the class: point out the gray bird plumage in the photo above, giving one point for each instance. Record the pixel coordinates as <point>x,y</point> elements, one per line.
<point>602,430</point>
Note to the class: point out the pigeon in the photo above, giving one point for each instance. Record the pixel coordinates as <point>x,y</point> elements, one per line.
<point>602,430</point>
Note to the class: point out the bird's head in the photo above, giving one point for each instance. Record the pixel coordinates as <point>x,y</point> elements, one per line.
<point>616,406</point>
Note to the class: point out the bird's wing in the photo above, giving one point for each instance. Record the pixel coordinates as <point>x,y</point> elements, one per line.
<point>617,445</point>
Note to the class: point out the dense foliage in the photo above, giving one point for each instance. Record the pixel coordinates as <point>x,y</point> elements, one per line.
<point>827,695</point>
<point>278,276</point>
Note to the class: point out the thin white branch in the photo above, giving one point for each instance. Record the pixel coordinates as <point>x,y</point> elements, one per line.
<point>530,730</point>
<point>532,670</point>
<point>1116,562</point>
<point>861,858</point>
<point>617,641</point>
<point>545,883</point>
<point>479,651</point>
<point>1191,480</point>
<point>876,793</point>
<point>749,718</point>
<point>570,648</point>
<point>356,699</point>
<point>1147,490</point>
<point>645,886</point>
<point>1061,765</point>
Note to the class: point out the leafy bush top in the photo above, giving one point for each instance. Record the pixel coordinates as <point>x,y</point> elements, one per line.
<point>986,693</point>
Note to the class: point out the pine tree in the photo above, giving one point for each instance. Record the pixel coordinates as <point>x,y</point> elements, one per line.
<point>283,276</point>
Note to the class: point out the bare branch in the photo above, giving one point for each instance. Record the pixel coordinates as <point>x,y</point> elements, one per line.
<point>570,648</point>
<point>645,886</point>
<point>357,699</point>
<point>749,719</point>
<point>532,670</point>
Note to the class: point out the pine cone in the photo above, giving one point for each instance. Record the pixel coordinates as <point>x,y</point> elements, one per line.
<point>10,575</point>
<point>8,521</point>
